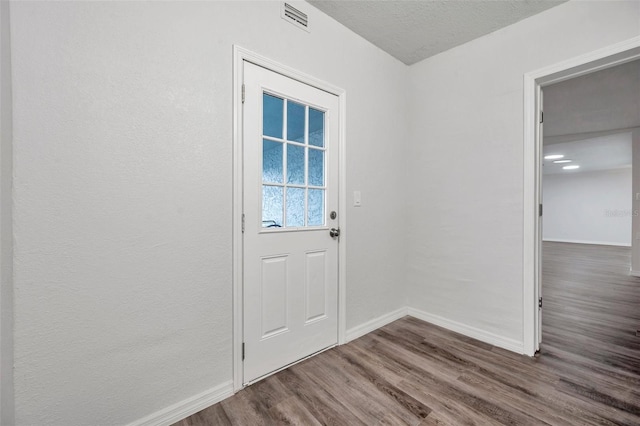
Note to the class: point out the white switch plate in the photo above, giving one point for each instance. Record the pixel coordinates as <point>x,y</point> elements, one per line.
<point>357,199</point>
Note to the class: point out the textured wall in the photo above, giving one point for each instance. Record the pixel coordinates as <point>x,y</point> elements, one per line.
<point>465,225</point>
<point>6,219</point>
<point>123,183</point>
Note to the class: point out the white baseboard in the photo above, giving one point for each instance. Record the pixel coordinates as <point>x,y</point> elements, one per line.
<point>634,273</point>
<point>467,330</point>
<point>598,243</point>
<point>374,324</point>
<point>189,406</point>
<point>476,333</point>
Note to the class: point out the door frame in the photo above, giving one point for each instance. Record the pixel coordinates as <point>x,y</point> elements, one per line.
<point>607,57</point>
<point>239,56</point>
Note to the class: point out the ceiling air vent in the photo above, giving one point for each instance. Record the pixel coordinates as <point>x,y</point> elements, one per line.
<point>295,16</point>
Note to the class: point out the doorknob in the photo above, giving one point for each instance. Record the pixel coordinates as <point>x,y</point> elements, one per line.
<point>334,232</point>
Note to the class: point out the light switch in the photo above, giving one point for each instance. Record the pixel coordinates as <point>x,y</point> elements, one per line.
<point>357,199</point>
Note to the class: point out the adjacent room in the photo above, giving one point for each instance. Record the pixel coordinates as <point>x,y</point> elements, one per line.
<point>319,212</point>
<point>590,292</point>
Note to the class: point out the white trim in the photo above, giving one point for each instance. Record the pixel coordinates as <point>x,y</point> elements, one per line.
<point>183,409</point>
<point>530,212</point>
<point>598,243</point>
<point>237,221</point>
<point>634,273</point>
<point>376,323</point>
<point>607,57</point>
<point>342,212</point>
<point>239,56</point>
<point>467,330</point>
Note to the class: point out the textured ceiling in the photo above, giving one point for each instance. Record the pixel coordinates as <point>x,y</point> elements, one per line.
<point>415,30</point>
<point>598,102</point>
<point>588,118</point>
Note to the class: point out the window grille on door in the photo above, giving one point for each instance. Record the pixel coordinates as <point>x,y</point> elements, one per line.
<point>293,164</point>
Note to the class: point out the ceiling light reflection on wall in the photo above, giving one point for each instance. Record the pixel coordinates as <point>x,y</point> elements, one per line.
<point>553,157</point>
<point>572,167</point>
<point>562,161</point>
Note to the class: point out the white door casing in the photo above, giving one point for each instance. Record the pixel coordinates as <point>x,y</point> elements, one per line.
<point>596,60</point>
<point>290,270</point>
<point>540,137</point>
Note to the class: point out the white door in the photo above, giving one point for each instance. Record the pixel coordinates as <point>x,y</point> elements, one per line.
<point>540,218</point>
<point>290,175</point>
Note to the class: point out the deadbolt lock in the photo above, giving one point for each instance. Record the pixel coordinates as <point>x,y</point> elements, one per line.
<point>333,215</point>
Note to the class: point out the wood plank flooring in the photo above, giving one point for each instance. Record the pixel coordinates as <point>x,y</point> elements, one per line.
<point>414,373</point>
<point>591,303</point>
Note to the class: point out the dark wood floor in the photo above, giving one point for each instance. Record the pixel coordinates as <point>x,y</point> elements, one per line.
<point>414,373</point>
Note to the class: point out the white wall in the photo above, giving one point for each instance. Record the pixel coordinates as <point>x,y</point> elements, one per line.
<point>588,207</point>
<point>465,232</point>
<point>123,184</point>
<point>6,234</point>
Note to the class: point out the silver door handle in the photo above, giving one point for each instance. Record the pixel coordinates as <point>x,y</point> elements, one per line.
<point>334,232</point>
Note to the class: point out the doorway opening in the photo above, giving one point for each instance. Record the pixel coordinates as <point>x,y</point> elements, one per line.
<point>534,83</point>
<point>590,300</point>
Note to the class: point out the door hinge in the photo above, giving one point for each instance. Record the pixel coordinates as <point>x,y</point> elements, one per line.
<point>243,351</point>
<point>540,303</point>
<point>540,209</point>
<point>243,223</point>
<point>242,92</point>
<point>541,116</point>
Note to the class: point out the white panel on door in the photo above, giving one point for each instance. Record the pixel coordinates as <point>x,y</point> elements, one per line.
<point>274,295</point>
<point>315,285</point>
